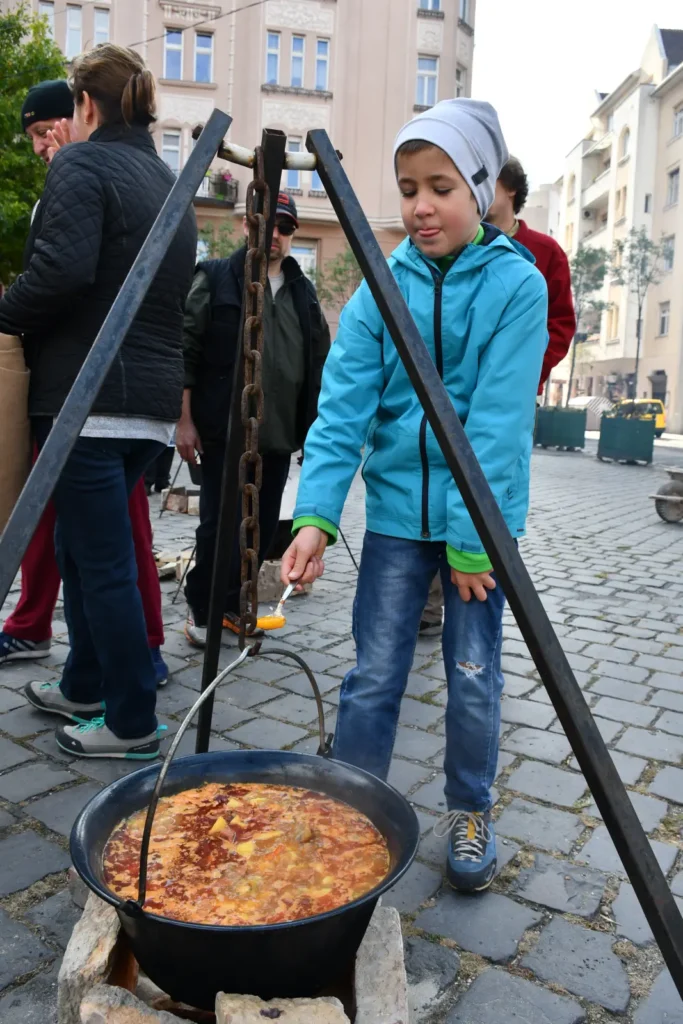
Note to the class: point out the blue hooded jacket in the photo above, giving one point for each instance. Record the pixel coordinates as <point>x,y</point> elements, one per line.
<point>485,325</point>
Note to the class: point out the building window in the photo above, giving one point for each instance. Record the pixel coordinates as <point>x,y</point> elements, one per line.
<point>203,57</point>
<point>74,31</point>
<point>678,115</point>
<point>306,255</point>
<point>294,176</point>
<point>430,5</point>
<point>673,186</point>
<point>427,78</point>
<point>47,10</point>
<point>298,50</point>
<point>664,312</point>
<point>624,143</point>
<point>322,65</point>
<point>465,11</point>
<point>669,244</point>
<point>101,26</point>
<point>173,54</point>
<point>272,58</point>
<point>460,81</point>
<point>170,150</point>
<point>316,182</point>
<point>648,202</point>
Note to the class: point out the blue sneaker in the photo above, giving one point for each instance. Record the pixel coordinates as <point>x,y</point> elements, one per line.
<point>13,649</point>
<point>471,862</point>
<point>160,666</point>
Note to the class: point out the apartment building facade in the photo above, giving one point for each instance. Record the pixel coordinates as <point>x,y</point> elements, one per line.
<point>357,68</point>
<point>615,181</point>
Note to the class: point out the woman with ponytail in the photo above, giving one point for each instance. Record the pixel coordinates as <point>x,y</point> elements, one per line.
<point>103,192</point>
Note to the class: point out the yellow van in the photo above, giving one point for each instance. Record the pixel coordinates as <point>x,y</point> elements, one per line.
<point>643,409</point>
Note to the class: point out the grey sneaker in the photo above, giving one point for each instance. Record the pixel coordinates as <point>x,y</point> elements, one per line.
<point>94,739</point>
<point>194,633</point>
<point>49,697</point>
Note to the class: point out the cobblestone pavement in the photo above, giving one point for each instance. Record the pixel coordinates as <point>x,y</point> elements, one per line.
<point>560,937</point>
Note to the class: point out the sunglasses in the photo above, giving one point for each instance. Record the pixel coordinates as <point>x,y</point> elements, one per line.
<point>285,227</point>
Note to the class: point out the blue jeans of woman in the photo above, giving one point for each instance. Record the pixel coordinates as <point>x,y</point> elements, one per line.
<point>393,583</point>
<point>109,658</point>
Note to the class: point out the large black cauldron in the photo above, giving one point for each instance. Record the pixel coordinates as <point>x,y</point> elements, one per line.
<point>193,962</point>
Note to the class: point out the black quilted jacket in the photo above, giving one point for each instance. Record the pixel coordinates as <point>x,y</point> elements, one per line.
<point>100,201</point>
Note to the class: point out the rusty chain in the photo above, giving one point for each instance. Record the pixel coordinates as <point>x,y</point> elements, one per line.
<point>251,466</point>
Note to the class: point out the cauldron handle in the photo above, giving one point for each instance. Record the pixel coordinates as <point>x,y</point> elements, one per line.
<point>134,907</point>
<point>325,748</point>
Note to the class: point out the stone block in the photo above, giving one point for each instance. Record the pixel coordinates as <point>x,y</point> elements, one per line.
<point>488,924</point>
<point>496,997</point>
<point>650,811</point>
<point>663,1005</point>
<point>417,885</point>
<point>526,712</point>
<point>176,500</point>
<point>677,884</point>
<point>12,754</point>
<point>32,780</point>
<point>20,951</point>
<point>10,700</point>
<point>431,795</point>
<point>544,827</point>
<point>659,746</point>
<point>628,768</point>
<point>666,681</point>
<point>619,689</point>
<point>381,986</point>
<point>59,810</point>
<point>32,1003</point>
<point>545,783</point>
<point>88,958</point>
<point>78,890</point>
<point>561,885</point>
<point>416,744</point>
<point>56,917</point>
<point>25,858</point>
<point>669,784</point>
<point>404,775</point>
<point>193,505</point>
<point>415,713</point>
<point>601,853</point>
<point>667,699</point>
<point>629,673</point>
<point>108,1004</point>
<point>582,962</point>
<point>545,746</point>
<point>267,734</point>
<point>625,711</point>
<point>671,722</point>
<point>631,921</point>
<point>431,970</point>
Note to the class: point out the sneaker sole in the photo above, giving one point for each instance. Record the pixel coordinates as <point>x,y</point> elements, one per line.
<point>58,711</point>
<point>431,631</point>
<point>25,656</point>
<point>472,888</point>
<point>191,640</point>
<point>118,756</point>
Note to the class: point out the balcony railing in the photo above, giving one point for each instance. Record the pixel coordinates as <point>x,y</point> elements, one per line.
<point>215,188</point>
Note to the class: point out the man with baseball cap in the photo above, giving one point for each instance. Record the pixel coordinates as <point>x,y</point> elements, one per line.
<point>297,340</point>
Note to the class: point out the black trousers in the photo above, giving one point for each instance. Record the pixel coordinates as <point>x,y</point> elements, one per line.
<point>158,474</point>
<point>198,582</point>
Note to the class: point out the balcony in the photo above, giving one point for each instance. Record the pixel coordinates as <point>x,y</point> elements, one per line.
<point>597,193</point>
<point>216,191</point>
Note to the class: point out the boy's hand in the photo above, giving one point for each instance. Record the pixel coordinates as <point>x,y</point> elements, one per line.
<point>476,583</point>
<point>302,561</point>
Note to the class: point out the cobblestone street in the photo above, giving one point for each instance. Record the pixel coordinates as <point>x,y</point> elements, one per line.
<point>560,938</point>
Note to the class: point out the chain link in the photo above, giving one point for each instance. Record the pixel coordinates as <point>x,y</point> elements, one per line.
<point>251,466</point>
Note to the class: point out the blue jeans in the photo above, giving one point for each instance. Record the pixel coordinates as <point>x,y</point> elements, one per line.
<point>392,589</point>
<point>110,658</point>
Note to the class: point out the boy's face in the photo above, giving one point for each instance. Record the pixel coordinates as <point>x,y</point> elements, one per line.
<point>438,208</point>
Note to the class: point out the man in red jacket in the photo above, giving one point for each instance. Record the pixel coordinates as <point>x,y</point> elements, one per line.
<point>512,189</point>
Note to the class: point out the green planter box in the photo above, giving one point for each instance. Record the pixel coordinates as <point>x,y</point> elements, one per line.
<point>560,428</point>
<point>625,440</point>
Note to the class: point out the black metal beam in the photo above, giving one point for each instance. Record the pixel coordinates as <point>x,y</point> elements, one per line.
<point>607,788</point>
<point>67,427</point>
<point>274,144</point>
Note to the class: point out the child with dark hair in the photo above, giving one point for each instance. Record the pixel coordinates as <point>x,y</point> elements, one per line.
<point>480,306</point>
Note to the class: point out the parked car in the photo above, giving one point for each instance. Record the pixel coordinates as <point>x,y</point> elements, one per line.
<point>643,409</point>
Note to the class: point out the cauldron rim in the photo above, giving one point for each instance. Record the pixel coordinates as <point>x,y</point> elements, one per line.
<point>79,855</point>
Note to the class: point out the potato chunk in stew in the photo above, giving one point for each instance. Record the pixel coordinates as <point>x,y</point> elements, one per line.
<point>248,853</point>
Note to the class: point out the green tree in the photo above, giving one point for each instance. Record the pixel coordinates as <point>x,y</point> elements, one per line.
<point>588,269</point>
<point>28,55</point>
<point>636,263</point>
<point>220,242</point>
<point>337,281</point>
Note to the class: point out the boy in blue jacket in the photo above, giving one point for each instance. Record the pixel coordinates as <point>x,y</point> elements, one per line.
<point>481,308</point>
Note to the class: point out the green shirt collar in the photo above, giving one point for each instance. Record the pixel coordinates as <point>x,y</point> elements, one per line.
<point>444,263</point>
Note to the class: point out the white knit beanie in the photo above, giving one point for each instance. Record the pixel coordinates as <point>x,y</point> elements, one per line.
<point>469,132</point>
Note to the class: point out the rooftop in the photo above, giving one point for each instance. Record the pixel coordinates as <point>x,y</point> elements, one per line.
<point>672,40</point>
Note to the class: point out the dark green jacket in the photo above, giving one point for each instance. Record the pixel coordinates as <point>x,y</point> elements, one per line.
<point>210,342</point>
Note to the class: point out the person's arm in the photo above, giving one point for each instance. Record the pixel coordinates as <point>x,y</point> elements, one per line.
<point>500,421</point>
<point>352,383</point>
<point>196,322</point>
<point>561,317</point>
<point>66,252</point>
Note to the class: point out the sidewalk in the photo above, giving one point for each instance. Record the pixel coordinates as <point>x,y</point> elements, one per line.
<point>560,938</point>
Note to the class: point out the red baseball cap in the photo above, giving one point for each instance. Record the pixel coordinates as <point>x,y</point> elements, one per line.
<point>286,207</point>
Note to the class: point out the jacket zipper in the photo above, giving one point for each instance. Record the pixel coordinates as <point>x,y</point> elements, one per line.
<point>438,353</point>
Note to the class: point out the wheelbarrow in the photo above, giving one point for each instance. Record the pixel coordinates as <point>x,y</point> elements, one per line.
<point>669,498</point>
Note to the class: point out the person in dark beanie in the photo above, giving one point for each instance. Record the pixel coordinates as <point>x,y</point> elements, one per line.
<point>45,105</point>
<point>297,340</point>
